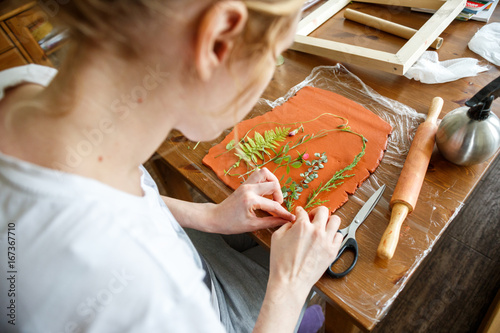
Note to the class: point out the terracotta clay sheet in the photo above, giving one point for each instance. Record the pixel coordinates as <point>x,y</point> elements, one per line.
<point>312,110</point>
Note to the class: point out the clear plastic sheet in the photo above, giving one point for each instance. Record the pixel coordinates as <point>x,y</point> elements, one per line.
<point>369,290</point>
<point>364,290</point>
<point>403,119</point>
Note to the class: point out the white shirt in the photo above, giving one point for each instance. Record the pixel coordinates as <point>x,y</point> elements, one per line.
<point>85,257</point>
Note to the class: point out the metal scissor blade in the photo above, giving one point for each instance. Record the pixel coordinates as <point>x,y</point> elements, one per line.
<point>368,206</point>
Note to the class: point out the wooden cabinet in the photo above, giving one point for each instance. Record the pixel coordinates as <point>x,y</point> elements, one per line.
<point>11,58</point>
<point>5,43</point>
<point>26,35</point>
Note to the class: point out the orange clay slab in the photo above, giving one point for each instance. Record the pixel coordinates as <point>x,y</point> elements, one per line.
<point>314,111</point>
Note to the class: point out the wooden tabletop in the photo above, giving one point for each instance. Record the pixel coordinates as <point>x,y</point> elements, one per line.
<point>9,8</point>
<point>366,294</point>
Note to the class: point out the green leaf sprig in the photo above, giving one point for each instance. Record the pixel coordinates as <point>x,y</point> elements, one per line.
<point>231,145</point>
<point>312,171</point>
<point>251,150</point>
<point>287,161</point>
<point>285,149</point>
<point>292,192</point>
<point>337,178</point>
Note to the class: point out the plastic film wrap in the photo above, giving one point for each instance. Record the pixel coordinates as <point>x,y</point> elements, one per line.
<point>374,284</point>
<point>370,289</point>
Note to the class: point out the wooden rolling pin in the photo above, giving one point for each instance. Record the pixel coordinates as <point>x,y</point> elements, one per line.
<point>410,181</point>
<point>386,26</point>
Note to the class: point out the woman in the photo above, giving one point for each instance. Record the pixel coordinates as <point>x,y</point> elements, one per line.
<point>94,249</point>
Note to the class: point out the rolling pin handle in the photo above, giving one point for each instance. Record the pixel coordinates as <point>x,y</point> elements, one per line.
<point>390,238</point>
<point>435,109</point>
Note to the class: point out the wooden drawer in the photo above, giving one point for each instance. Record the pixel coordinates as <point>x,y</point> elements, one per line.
<point>5,42</point>
<point>19,26</point>
<point>11,58</point>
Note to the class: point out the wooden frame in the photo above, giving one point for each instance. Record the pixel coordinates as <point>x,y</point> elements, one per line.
<point>397,63</point>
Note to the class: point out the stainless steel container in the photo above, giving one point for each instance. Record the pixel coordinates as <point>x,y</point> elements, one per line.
<point>471,134</point>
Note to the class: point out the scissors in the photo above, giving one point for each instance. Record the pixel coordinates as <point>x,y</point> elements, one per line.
<point>349,232</point>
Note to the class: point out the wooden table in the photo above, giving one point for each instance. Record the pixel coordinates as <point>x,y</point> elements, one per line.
<point>360,300</point>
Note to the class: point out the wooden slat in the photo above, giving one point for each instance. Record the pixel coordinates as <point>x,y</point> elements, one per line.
<point>351,54</point>
<point>11,58</point>
<point>401,61</point>
<point>428,33</point>
<point>5,42</point>
<point>312,21</point>
<point>385,26</point>
<point>427,4</point>
<point>9,8</point>
<point>16,42</point>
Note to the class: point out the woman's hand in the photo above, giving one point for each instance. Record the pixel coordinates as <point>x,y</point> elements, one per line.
<point>302,251</point>
<point>300,254</point>
<point>237,214</point>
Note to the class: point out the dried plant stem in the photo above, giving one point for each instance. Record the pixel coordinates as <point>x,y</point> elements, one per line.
<point>285,124</point>
<point>299,142</point>
<point>313,200</point>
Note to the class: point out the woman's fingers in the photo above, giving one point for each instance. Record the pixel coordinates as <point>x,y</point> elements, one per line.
<point>272,222</point>
<point>280,232</point>
<point>267,188</point>
<point>262,175</point>
<point>333,224</point>
<point>319,216</point>
<point>268,183</point>
<point>301,214</point>
<point>337,241</point>
<point>329,224</point>
<point>331,229</point>
<point>273,207</point>
<point>262,182</point>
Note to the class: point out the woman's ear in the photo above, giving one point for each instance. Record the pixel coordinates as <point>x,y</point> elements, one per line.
<point>220,26</point>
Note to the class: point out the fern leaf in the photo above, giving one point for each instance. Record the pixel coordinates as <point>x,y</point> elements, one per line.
<point>259,138</point>
<point>251,142</point>
<point>253,149</point>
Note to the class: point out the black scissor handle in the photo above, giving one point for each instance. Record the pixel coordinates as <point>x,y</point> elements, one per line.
<point>349,244</point>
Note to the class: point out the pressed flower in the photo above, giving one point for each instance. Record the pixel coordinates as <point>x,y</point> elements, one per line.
<point>305,156</point>
<point>292,133</point>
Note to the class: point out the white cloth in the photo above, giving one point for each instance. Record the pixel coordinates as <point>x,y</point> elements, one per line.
<point>32,73</point>
<point>486,43</point>
<point>428,68</point>
<point>84,257</point>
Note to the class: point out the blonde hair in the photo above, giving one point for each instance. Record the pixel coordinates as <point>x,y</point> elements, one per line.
<point>120,24</point>
<point>277,8</point>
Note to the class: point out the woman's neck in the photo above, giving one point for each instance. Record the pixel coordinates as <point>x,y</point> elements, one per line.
<point>97,120</point>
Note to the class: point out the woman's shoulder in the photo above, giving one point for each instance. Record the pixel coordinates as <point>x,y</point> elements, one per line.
<point>92,260</point>
<point>91,272</point>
